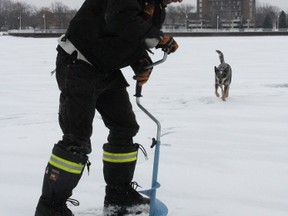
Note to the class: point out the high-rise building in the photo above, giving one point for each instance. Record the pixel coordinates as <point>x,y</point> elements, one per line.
<point>227,13</point>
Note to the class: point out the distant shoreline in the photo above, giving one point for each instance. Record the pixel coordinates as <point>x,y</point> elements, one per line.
<point>174,34</point>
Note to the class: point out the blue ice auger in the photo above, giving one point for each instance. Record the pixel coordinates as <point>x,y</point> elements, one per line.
<point>157,208</point>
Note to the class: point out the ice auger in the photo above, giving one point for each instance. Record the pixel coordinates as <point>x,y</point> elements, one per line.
<point>157,208</point>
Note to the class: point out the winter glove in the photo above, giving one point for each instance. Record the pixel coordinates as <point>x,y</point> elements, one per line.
<point>167,44</point>
<point>142,74</point>
<point>143,77</point>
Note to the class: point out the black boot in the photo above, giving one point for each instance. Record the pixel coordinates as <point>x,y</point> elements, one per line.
<point>62,175</point>
<point>119,166</point>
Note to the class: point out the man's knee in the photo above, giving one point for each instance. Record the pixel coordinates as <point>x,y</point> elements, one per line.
<point>123,136</point>
<point>74,144</point>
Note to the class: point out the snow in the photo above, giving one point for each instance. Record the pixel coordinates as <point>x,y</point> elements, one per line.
<point>217,158</point>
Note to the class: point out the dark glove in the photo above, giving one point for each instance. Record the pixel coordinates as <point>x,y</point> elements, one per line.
<point>167,44</point>
<point>142,74</point>
<point>143,77</point>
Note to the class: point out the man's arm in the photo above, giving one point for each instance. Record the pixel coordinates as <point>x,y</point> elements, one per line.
<point>124,20</point>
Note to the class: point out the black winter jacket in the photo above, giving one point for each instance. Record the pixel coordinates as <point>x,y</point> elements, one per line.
<point>111,33</point>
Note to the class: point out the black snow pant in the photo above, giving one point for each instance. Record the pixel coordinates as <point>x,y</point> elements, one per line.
<point>84,90</point>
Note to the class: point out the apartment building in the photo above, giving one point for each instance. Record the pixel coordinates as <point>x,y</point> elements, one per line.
<point>226,13</point>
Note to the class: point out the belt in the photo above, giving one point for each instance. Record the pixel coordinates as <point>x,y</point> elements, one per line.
<point>70,49</point>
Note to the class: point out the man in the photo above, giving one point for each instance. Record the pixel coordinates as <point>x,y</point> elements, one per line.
<point>103,37</point>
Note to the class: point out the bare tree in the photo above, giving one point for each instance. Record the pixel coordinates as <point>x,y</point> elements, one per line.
<point>44,19</point>
<point>177,16</point>
<point>263,10</point>
<point>14,15</point>
<point>19,15</point>
<point>60,12</point>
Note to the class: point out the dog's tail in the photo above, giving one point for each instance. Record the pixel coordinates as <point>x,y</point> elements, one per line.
<point>221,56</point>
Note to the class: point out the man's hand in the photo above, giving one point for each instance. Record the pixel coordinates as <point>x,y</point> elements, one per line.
<point>167,44</point>
<point>141,73</point>
<point>143,77</point>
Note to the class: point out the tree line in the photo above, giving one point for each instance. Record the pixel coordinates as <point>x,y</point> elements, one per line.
<point>266,15</point>
<point>19,15</point>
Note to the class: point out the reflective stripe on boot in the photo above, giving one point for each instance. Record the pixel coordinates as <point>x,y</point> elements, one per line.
<point>62,175</point>
<point>66,165</point>
<point>119,157</point>
<point>119,163</point>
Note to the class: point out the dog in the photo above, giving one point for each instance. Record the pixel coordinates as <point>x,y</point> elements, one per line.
<point>223,77</point>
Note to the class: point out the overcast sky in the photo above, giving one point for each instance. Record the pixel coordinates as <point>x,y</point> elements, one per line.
<point>282,4</point>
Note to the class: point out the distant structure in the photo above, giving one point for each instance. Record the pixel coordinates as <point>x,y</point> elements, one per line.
<point>225,14</point>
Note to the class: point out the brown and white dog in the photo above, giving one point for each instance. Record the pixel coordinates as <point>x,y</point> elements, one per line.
<point>223,77</point>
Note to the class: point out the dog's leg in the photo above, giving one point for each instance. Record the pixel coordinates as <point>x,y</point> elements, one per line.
<point>227,91</point>
<point>223,93</point>
<point>216,90</point>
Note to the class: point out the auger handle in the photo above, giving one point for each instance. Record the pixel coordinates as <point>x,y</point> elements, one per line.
<point>138,90</point>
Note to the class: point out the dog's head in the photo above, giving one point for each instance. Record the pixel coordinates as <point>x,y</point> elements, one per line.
<point>221,73</point>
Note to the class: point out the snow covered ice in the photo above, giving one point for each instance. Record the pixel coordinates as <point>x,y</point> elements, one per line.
<point>217,158</point>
